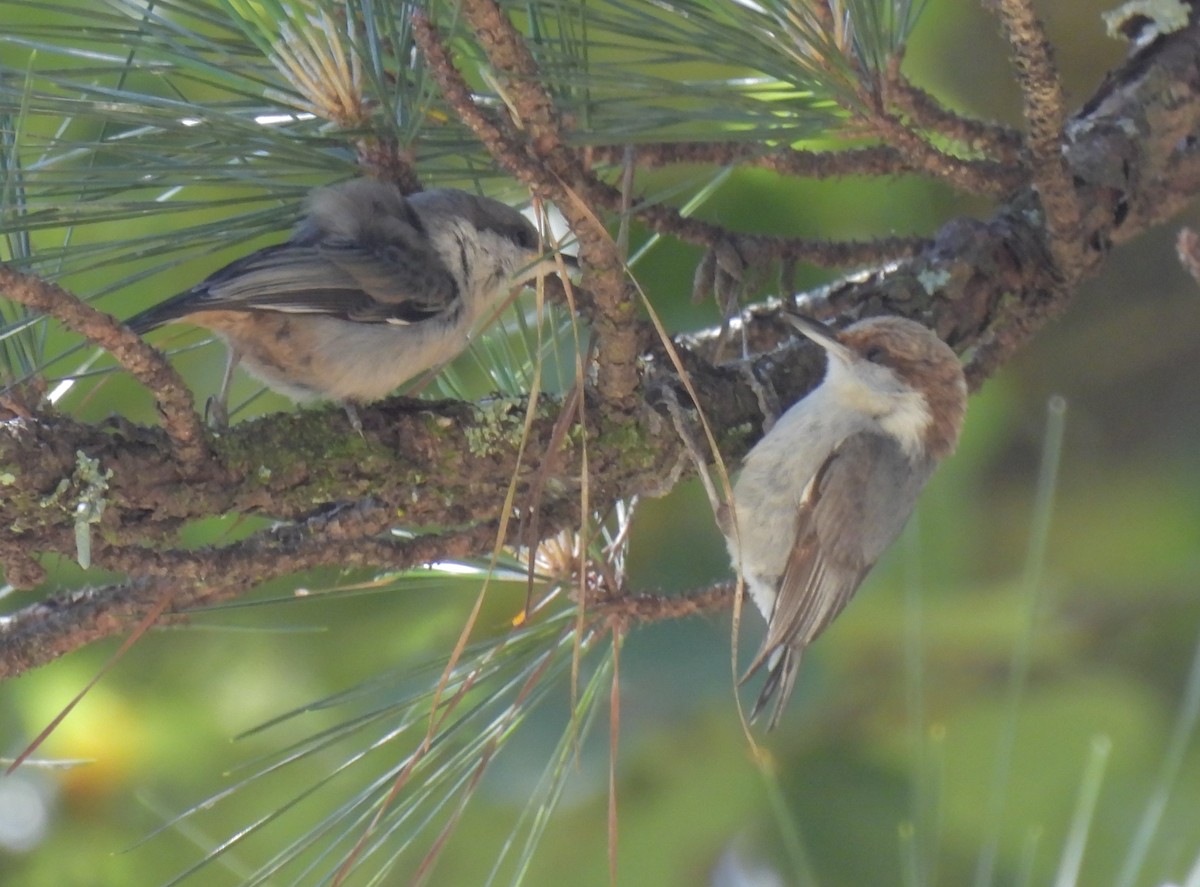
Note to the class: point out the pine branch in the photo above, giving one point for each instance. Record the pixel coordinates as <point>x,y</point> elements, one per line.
<point>147,365</point>
<point>991,140</point>
<point>876,160</point>
<point>557,172</point>
<point>1045,113</point>
<point>985,286</point>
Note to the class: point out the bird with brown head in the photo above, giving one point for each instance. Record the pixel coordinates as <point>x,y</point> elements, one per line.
<point>825,492</point>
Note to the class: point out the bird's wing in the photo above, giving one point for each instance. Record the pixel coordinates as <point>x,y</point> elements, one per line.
<point>365,283</point>
<point>398,281</point>
<point>369,284</point>
<point>846,520</point>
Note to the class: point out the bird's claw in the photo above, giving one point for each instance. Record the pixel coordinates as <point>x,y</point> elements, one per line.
<point>216,414</point>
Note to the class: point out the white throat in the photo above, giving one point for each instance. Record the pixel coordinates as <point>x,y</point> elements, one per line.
<point>877,393</point>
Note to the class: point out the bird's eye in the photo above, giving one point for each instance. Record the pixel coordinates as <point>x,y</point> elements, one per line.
<point>875,354</point>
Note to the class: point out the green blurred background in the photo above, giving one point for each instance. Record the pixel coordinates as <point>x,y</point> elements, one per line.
<point>889,750</point>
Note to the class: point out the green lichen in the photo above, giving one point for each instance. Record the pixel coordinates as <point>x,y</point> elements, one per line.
<point>54,499</point>
<point>497,425</point>
<point>1161,17</point>
<point>89,499</point>
<point>931,281</point>
<point>297,458</point>
<point>628,442</point>
<point>737,437</point>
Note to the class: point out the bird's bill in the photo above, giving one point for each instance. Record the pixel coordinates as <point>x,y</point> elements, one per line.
<point>823,335</point>
<point>570,263</point>
<point>543,264</point>
<point>547,262</point>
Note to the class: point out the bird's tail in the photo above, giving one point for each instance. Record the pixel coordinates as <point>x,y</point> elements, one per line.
<point>782,665</point>
<point>164,312</point>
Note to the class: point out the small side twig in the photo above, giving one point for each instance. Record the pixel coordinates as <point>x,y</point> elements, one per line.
<point>825,253</point>
<point>1045,111</point>
<point>656,607</point>
<point>499,143</point>
<point>386,160</point>
<point>873,161</point>
<point>144,363</point>
<point>989,139</point>
<point>983,177</point>
<point>509,53</point>
<point>604,268</point>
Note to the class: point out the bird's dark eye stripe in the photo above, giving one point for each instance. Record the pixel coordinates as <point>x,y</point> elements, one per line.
<point>521,236</point>
<point>464,262</point>
<point>410,216</point>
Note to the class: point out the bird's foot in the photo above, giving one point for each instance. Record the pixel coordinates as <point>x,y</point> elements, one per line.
<point>352,417</point>
<point>216,414</point>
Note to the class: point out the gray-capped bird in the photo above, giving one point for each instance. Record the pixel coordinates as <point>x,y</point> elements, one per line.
<point>372,289</point>
<point>831,485</point>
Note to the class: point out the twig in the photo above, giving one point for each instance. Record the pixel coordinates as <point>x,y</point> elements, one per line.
<point>384,159</point>
<point>46,630</point>
<point>144,363</point>
<point>615,324</point>
<point>655,608</point>
<point>991,140</point>
<point>1045,112</point>
<point>555,171</point>
<point>877,160</point>
<point>499,143</point>
<point>508,52</point>
<point>825,253</point>
<point>982,177</point>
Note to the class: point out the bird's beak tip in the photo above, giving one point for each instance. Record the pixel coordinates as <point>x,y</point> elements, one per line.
<point>818,332</point>
<point>569,263</point>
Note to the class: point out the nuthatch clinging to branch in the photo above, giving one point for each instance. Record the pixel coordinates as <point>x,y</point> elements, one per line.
<point>373,288</point>
<point>831,485</point>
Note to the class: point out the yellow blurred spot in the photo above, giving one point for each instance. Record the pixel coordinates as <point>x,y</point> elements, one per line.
<point>103,730</point>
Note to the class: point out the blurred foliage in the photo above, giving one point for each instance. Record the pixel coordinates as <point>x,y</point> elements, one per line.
<point>885,770</point>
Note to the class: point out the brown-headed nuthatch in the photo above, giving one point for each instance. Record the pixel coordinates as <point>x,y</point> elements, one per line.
<point>373,288</point>
<point>830,486</point>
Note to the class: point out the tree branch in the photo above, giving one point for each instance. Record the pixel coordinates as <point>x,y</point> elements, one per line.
<point>874,161</point>
<point>969,176</point>
<point>46,630</point>
<point>997,142</point>
<point>985,286</point>
<point>144,363</point>
<point>562,175</point>
<point>1045,112</point>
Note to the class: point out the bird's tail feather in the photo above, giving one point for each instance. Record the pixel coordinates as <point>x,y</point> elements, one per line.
<point>782,665</point>
<point>164,312</point>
